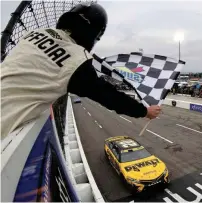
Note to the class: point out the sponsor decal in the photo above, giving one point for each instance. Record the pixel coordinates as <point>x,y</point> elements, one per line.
<point>147,173</point>
<point>54,34</point>
<point>128,143</point>
<point>154,183</point>
<point>132,73</point>
<point>44,177</point>
<point>137,166</point>
<point>196,107</point>
<point>33,181</point>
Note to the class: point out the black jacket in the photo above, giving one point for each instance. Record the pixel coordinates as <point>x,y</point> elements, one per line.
<point>85,83</point>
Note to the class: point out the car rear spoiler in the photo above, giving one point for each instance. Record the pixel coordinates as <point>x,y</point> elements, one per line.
<point>115,138</point>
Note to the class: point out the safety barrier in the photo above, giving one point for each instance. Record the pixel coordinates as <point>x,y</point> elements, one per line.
<point>177,103</point>
<point>32,156</point>
<point>15,149</point>
<point>78,167</point>
<point>33,165</point>
<point>192,106</point>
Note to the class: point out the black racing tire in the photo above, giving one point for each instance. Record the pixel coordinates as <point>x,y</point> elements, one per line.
<point>126,184</point>
<point>168,181</point>
<point>166,184</point>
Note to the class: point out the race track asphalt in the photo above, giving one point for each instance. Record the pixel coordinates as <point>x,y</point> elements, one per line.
<point>175,137</point>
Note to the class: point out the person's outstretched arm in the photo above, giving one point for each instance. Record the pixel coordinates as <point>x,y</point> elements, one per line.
<point>85,83</point>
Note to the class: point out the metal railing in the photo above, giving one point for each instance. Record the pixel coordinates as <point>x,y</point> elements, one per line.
<point>31,15</point>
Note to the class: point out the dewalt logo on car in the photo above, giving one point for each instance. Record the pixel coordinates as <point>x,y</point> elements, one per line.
<point>136,166</point>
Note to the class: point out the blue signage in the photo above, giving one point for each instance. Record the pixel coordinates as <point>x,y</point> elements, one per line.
<point>196,107</point>
<point>44,177</point>
<point>131,76</point>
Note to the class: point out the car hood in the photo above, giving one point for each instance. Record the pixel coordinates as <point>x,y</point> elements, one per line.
<point>144,169</point>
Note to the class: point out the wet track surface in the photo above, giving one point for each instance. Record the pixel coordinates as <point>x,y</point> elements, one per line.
<point>175,137</point>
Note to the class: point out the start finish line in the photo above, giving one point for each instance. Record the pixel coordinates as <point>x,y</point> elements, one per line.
<point>178,198</point>
<point>193,194</point>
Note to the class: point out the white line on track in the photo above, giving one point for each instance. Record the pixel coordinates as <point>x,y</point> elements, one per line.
<point>125,119</point>
<point>189,128</point>
<point>84,108</point>
<point>159,136</point>
<point>198,185</point>
<point>98,124</point>
<point>89,114</point>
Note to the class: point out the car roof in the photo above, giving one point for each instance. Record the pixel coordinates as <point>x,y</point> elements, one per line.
<point>125,143</point>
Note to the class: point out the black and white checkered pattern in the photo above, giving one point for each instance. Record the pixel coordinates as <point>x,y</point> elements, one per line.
<point>155,78</point>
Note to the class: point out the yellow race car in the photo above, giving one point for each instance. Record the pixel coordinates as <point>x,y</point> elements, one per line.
<point>136,166</point>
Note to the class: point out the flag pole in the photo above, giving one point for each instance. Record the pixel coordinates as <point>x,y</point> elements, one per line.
<point>145,127</point>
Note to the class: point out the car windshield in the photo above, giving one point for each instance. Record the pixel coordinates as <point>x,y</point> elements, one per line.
<point>134,155</point>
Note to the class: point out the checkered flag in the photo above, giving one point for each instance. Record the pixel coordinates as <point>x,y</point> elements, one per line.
<point>151,76</point>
